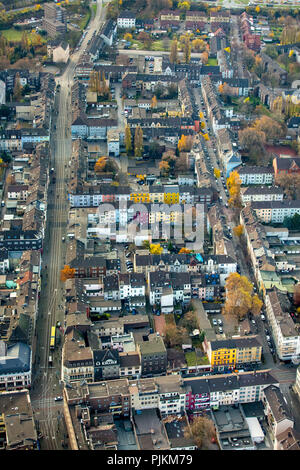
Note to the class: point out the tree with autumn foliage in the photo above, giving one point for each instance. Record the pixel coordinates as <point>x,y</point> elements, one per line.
<point>217,173</point>
<point>17,92</point>
<point>127,37</point>
<point>186,251</point>
<point>290,183</point>
<point>174,52</point>
<point>187,50</point>
<point>164,167</point>
<point>154,102</point>
<point>67,273</point>
<point>204,57</point>
<point>100,164</point>
<point>240,299</point>
<point>234,188</point>
<point>202,431</point>
<point>185,143</point>
<point>189,321</point>
<point>138,142</point>
<point>296,294</point>
<point>253,141</point>
<point>271,128</point>
<point>174,335</point>
<point>238,230</point>
<point>155,249</point>
<point>128,140</point>
<point>198,45</point>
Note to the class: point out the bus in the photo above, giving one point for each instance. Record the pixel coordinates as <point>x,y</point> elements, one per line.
<point>52,338</point>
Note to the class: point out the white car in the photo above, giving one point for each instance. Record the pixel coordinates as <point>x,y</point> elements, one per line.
<point>262,317</point>
<point>215,323</point>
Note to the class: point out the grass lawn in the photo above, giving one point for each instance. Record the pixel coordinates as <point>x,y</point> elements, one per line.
<point>212,61</point>
<point>158,46</point>
<point>94,8</point>
<point>192,359</point>
<point>12,34</point>
<point>84,21</point>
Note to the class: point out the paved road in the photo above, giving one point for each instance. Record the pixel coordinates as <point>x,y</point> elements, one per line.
<point>46,379</point>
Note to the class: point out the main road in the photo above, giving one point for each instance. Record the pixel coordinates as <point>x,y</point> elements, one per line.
<point>46,383</point>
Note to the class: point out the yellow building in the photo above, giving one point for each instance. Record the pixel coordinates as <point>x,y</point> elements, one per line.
<point>222,354</point>
<point>171,194</point>
<point>142,196</point>
<point>232,353</point>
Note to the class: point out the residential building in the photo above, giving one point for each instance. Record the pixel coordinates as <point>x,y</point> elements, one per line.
<point>126,20</point>
<point>15,366</point>
<point>17,424</point>
<point>106,364</point>
<point>275,211</point>
<point>277,412</point>
<point>262,193</point>
<point>233,353</point>
<point>284,333</point>
<point>256,175</point>
<point>153,355</point>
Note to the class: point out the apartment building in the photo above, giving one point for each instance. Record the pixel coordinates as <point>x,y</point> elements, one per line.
<point>77,359</point>
<point>126,20</point>
<point>15,366</point>
<point>180,283</point>
<point>232,353</point>
<point>256,175</point>
<point>261,194</point>
<point>153,355</point>
<point>284,333</point>
<point>277,413</point>
<point>275,211</point>
<point>17,422</point>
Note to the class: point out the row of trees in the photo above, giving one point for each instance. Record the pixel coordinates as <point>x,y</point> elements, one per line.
<point>186,45</point>
<point>234,188</point>
<point>98,84</point>
<point>137,145</point>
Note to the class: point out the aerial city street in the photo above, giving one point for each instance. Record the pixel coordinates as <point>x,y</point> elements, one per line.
<point>150,226</point>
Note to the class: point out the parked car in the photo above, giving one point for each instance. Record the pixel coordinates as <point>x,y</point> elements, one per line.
<point>220,322</point>
<point>58,398</point>
<point>215,322</point>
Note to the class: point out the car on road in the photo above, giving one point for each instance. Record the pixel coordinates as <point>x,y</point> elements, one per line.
<point>268,337</point>
<point>58,399</point>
